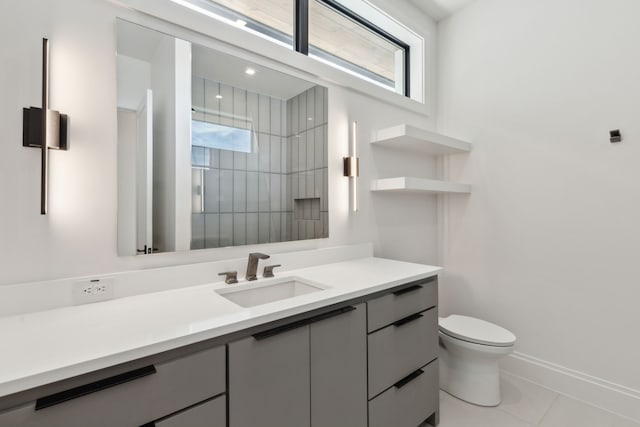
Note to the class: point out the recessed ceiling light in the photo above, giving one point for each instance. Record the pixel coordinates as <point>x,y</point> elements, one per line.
<point>250,71</point>
<point>240,23</point>
<point>310,118</point>
<point>218,96</point>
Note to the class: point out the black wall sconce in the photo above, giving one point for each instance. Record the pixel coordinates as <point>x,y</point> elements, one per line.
<point>351,166</point>
<point>44,128</point>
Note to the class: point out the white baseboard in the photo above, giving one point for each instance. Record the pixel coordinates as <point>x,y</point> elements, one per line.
<point>603,394</point>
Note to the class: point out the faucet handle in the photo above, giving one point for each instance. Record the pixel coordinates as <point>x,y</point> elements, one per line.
<point>268,270</point>
<point>231,277</point>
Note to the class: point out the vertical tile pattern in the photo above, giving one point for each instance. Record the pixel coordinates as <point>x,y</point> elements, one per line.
<point>211,102</point>
<point>264,152</point>
<point>212,190</point>
<point>226,190</point>
<point>275,157</point>
<point>197,190</point>
<point>264,199</point>
<point>302,151</point>
<point>319,98</point>
<point>252,110</point>
<point>253,158</point>
<point>239,191</point>
<point>197,231</point>
<point>211,230</point>
<point>250,198</point>
<point>239,229</point>
<point>226,230</point>
<point>275,117</point>
<point>240,108</point>
<point>226,105</point>
<point>307,189</point>
<point>252,228</point>
<point>252,191</point>
<point>294,161</point>
<point>302,112</point>
<point>274,232</point>
<point>319,147</point>
<point>274,186</point>
<point>264,227</point>
<point>264,114</point>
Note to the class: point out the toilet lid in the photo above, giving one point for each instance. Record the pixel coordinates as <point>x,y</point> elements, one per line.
<point>476,331</point>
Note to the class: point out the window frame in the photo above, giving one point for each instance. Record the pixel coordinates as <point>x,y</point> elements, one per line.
<point>301,36</point>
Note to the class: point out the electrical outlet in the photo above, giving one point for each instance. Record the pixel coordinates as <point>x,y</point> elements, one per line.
<point>92,290</point>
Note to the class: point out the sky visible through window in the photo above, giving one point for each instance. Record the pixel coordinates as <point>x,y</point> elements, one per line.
<point>210,135</point>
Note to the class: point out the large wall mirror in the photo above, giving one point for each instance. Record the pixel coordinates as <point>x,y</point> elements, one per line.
<point>214,150</point>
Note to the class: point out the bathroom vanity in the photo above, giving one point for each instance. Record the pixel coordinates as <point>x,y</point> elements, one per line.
<point>360,351</point>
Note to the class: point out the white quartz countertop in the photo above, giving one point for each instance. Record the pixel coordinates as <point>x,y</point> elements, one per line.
<point>43,347</point>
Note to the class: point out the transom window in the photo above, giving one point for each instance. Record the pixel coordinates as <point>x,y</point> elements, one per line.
<point>327,31</point>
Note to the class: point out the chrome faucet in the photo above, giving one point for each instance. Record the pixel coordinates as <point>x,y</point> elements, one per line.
<point>252,264</point>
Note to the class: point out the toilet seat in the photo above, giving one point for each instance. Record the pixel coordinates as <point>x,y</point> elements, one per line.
<point>475,331</point>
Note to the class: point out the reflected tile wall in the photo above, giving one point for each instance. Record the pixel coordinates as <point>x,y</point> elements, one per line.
<point>250,198</point>
<point>247,192</point>
<point>307,143</point>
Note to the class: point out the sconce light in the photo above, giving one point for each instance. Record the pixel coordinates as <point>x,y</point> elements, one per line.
<point>44,128</point>
<point>351,166</point>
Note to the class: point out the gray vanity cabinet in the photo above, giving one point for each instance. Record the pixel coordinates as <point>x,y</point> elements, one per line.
<point>133,398</point>
<point>402,356</point>
<point>269,380</point>
<point>369,364</point>
<point>339,370</point>
<point>308,373</point>
<point>211,413</point>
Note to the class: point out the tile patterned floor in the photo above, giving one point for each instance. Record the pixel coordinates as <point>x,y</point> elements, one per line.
<point>525,404</point>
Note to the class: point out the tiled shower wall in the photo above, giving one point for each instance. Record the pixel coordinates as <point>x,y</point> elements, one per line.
<point>250,198</point>
<point>307,141</point>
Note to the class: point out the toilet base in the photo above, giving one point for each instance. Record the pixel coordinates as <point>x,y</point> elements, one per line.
<point>470,372</point>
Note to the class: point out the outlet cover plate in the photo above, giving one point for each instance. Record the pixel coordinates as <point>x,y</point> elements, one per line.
<point>87,291</point>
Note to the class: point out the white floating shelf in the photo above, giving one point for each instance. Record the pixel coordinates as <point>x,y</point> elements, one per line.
<point>418,185</point>
<point>411,138</point>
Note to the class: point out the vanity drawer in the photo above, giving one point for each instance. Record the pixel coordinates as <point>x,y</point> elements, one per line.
<point>130,399</point>
<point>419,296</point>
<point>212,413</point>
<point>401,348</point>
<point>409,403</point>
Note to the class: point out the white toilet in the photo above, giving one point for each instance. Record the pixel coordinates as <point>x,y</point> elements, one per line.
<point>469,352</point>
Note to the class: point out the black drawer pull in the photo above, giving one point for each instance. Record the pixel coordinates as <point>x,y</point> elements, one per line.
<point>407,320</point>
<point>407,290</point>
<point>300,323</point>
<point>83,390</point>
<point>332,313</point>
<point>281,329</point>
<point>406,380</point>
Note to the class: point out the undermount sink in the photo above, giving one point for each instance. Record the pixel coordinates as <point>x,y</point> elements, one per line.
<point>256,293</point>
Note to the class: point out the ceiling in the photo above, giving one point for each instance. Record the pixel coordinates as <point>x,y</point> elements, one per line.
<point>141,43</point>
<point>229,69</point>
<point>440,9</point>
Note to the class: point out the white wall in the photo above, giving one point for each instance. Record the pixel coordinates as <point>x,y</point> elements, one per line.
<point>548,243</point>
<point>78,237</point>
<point>134,78</point>
<point>127,131</point>
<point>163,85</point>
